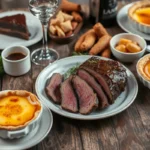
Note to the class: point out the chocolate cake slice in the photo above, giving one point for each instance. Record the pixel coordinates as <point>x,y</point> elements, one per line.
<point>14,25</point>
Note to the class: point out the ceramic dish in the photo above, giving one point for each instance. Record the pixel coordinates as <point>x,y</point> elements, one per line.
<point>127,57</point>
<point>37,134</point>
<point>123,21</point>
<point>61,66</point>
<point>136,24</point>
<point>67,39</point>
<point>17,131</point>
<point>16,67</point>
<point>140,63</point>
<point>34,27</point>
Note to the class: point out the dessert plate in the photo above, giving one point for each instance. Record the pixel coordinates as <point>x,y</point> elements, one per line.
<point>34,27</point>
<point>34,137</point>
<point>122,19</point>
<point>61,66</point>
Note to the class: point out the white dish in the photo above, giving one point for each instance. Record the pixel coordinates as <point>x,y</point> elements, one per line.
<point>34,27</point>
<point>142,79</point>
<point>127,57</point>
<point>34,137</point>
<point>16,67</point>
<point>61,66</point>
<point>124,23</point>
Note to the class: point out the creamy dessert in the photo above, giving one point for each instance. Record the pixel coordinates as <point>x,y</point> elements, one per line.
<point>139,14</point>
<point>143,67</point>
<point>17,109</point>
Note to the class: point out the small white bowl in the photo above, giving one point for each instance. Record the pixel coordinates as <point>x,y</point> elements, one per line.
<point>16,67</point>
<point>127,57</point>
<point>142,79</point>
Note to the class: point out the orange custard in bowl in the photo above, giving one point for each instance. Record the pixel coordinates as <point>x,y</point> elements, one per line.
<point>142,15</point>
<point>17,109</point>
<point>146,69</point>
<point>139,16</point>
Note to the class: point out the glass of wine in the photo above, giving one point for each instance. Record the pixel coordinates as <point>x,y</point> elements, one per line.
<point>44,10</point>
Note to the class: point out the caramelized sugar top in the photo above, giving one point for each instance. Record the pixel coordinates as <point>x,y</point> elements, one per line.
<point>147,69</point>
<point>142,15</point>
<point>16,110</point>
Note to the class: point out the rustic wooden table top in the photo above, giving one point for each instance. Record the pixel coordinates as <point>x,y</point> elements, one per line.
<point>127,130</point>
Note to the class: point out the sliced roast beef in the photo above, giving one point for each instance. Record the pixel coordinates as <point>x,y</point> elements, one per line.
<point>101,81</point>
<point>110,74</point>
<point>69,100</point>
<point>87,97</point>
<point>103,100</point>
<point>53,87</point>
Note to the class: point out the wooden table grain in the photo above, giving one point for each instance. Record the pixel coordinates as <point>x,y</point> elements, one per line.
<point>129,130</point>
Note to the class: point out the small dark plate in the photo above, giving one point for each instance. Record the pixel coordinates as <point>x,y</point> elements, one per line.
<point>67,39</point>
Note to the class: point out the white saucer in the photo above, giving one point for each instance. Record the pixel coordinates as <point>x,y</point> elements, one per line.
<point>34,137</point>
<point>34,27</point>
<point>122,19</point>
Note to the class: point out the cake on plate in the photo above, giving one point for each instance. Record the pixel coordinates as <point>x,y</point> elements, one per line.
<point>14,25</point>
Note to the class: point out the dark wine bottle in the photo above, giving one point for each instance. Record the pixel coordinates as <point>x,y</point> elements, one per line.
<point>107,12</point>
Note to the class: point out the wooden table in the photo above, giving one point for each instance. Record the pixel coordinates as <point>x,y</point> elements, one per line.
<point>129,130</point>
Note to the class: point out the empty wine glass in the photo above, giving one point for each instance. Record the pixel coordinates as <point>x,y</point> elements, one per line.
<point>44,10</point>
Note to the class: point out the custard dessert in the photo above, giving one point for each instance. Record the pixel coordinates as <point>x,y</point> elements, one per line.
<point>139,15</point>
<point>143,67</point>
<point>18,109</point>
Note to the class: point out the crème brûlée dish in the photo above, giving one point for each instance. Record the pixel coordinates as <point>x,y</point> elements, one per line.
<point>17,109</point>
<point>143,67</point>
<point>139,15</point>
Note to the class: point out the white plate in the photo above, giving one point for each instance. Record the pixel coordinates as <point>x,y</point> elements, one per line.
<point>34,137</point>
<point>34,27</point>
<point>61,66</point>
<point>122,19</point>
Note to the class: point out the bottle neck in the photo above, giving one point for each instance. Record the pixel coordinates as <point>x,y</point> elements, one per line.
<point>107,12</point>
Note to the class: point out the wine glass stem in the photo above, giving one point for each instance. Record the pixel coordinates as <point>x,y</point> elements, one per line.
<point>45,47</point>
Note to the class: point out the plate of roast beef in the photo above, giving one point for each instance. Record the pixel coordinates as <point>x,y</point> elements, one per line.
<point>86,87</point>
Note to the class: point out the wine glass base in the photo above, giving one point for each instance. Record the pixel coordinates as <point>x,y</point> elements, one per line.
<point>39,58</point>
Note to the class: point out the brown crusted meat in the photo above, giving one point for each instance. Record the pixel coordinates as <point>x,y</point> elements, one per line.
<point>53,88</point>
<point>110,74</point>
<point>86,96</point>
<point>69,100</point>
<point>103,101</point>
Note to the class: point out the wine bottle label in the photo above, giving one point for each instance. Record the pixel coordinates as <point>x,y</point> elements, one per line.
<point>109,9</point>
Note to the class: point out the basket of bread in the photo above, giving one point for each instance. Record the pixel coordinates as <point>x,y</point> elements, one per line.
<point>66,24</point>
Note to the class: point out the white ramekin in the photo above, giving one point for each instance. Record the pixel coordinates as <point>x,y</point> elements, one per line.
<point>139,26</point>
<point>142,79</point>
<point>21,132</point>
<point>16,67</point>
<point>127,57</point>
<point>134,23</point>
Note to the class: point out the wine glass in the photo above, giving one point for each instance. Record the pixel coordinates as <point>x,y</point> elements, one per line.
<point>44,10</point>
